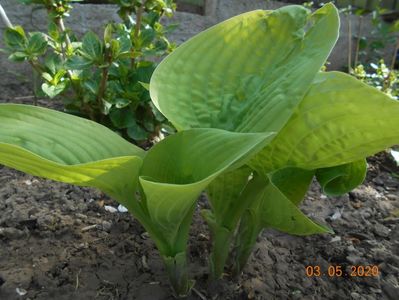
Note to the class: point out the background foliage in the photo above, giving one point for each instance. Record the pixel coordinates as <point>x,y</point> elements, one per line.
<point>103,78</point>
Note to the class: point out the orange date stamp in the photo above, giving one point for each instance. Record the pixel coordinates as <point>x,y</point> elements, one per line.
<point>339,271</point>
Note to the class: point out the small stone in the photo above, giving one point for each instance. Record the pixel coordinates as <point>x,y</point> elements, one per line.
<point>360,236</point>
<point>384,206</point>
<point>122,209</point>
<point>390,290</point>
<point>11,233</point>
<point>21,291</point>
<point>296,295</point>
<point>106,226</point>
<point>351,248</point>
<point>391,279</point>
<point>380,255</point>
<point>335,239</point>
<point>110,209</point>
<point>87,228</point>
<point>376,291</point>
<point>381,230</point>
<point>378,181</point>
<point>392,197</point>
<point>390,220</point>
<point>81,216</point>
<point>336,215</point>
<point>355,296</point>
<point>307,282</point>
<point>354,259</point>
<point>145,235</point>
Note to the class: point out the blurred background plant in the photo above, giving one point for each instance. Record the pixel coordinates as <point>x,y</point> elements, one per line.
<point>104,78</point>
<point>367,50</point>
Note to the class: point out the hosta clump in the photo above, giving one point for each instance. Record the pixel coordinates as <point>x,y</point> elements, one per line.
<point>256,123</point>
<point>259,72</point>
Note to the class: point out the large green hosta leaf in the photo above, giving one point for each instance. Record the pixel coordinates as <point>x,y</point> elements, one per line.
<point>65,148</point>
<point>339,121</point>
<point>272,208</point>
<point>246,74</point>
<point>176,170</point>
<point>292,182</point>
<point>342,179</point>
<point>174,173</point>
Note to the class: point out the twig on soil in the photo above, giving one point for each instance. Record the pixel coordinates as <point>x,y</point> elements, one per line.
<point>77,280</point>
<point>87,228</point>
<point>24,97</point>
<point>199,294</point>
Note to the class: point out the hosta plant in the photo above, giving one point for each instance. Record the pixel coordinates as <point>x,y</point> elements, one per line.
<point>256,123</point>
<point>259,72</point>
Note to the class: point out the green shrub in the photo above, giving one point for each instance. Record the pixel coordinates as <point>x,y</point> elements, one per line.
<point>104,78</point>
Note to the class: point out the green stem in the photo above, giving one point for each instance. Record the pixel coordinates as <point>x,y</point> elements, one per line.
<point>76,87</point>
<point>136,33</point>
<point>176,267</point>
<point>359,33</point>
<point>221,240</point>
<point>224,227</point>
<point>349,43</point>
<point>102,88</point>
<point>173,251</point>
<point>388,79</point>
<point>220,252</point>
<point>61,27</point>
<point>249,229</point>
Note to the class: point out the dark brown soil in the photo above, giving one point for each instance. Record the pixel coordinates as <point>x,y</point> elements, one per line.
<point>57,241</point>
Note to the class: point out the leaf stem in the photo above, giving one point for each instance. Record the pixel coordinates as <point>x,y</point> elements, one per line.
<point>61,27</point>
<point>176,268</point>
<point>359,33</point>
<point>388,79</point>
<point>102,88</point>
<point>349,43</point>
<point>136,33</point>
<point>395,53</point>
<point>247,234</point>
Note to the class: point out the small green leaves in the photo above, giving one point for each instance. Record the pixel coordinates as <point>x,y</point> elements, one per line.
<point>53,90</point>
<point>92,47</point>
<point>37,44</point>
<point>78,63</point>
<point>22,47</point>
<point>15,38</point>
